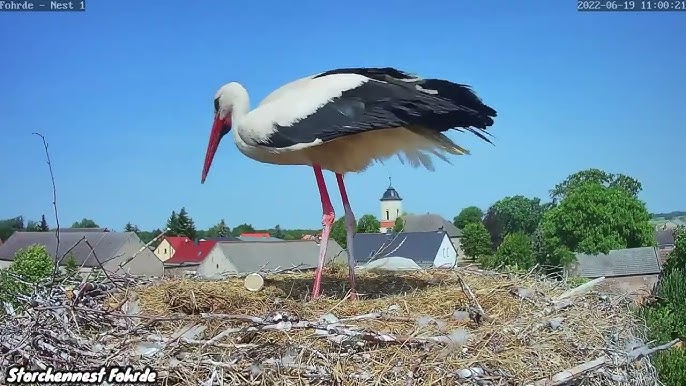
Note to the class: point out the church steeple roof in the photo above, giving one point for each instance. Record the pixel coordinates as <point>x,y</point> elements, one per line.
<point>390,194</point>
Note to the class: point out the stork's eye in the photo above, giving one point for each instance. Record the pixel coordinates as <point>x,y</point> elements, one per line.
<point>216,105</point>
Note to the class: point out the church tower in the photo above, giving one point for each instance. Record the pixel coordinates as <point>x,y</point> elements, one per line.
<point>391,207</point>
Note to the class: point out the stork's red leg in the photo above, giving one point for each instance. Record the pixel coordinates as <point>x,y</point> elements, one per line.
<point>328,218</point>
<point>351,228</point>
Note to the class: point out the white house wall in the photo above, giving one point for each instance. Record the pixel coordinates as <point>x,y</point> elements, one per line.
<point>446,255</point>
<point>215,264</point>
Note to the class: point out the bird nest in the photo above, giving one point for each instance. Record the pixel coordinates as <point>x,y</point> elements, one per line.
<point>423,328</point>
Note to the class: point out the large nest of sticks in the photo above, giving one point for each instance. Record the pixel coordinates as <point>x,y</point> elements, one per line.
<point>424,328</point>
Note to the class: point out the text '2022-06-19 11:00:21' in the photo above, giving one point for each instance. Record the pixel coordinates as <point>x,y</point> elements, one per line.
<point>631,5</point>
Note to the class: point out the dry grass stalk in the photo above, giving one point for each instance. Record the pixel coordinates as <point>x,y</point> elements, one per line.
<point>410,329</point>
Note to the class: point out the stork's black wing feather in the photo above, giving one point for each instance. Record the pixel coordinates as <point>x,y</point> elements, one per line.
<point>386,101</point>
<point>378,73</point>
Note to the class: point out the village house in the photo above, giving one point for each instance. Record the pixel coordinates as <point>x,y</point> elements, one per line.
<point>427,249</point>
<point>110,250</point>
<point>187,256</point>
<point>168,246</point>
<point>431,222</point>
<point>265,236</point>
<point>391,208</point>
<point>670,224</point>
<point>251,256</point>
<point>665,243</point>
<point>634,270</point>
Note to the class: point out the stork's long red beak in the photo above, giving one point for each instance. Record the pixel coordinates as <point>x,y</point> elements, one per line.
<point>219,128</point>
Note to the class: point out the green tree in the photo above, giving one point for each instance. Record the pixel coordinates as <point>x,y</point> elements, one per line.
<point>85,223</point>
<point>513,214</point>
<point>131,228</point>
<point>32,226</point>
<point>277,232</point>
<point>476,241</point>
<point>148,236</point>
<point>339,233</point>
<point>31,264</point>
<point>9,226</point>
<point>468,215</point>
<point>181,224</point>
<point>548,250</point>
<point>219,230</point>
<point>43,224</point>
<point>173,224</point>
<point>515,252</point>
<point>368,224</point>
<point>667,317</point>
<point>70,265</point>
<point>399,225</point>
<point>596,177</point>
<point>243,228</point>
<point>186,224</point>
<point>593,218</point>
<point>666,320</point>
<point>677,258</point>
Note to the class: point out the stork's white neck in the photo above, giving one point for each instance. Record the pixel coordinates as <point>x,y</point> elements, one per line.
<point>241,104</point>
<point>241,108</point>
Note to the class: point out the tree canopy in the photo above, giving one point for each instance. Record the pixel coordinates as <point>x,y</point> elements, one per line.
<point>513,214</point>
<point>339,233</point>
<point>468,215</point>
<point>243,228</point>
<point>596,177</point>
<point>476,241</point>
<point>131,228</point>
<point>219,230</point>
<point>85,223</point>
<point>368,224</point>
<point>595,218</point>
<point>399,225</point>
<point>181,224</point>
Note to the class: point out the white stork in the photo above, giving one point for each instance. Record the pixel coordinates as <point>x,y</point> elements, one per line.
<point>343,120</point>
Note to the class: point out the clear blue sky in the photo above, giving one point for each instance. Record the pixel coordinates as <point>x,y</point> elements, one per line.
<point>123,93</point>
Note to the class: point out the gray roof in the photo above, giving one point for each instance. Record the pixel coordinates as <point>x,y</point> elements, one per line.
<point>620,262</point>
<point>82,230</point>
<point>218,239</point>
<point>257,239</point>
<point>250,256</point>
<point>421,247</point>
<point>391,195</point>
<point>105,244</point>
<point>664,237</point>
<point>429,223</point>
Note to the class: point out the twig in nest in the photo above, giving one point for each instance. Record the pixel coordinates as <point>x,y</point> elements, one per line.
<point>95,255</point>
<point>472,298</point>
<point>581,289</point>
<point>122,264</point>
<point>576,372</point>
<point>54,206</point>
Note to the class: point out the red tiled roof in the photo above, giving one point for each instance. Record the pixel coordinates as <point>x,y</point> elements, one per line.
<point>264,234</point>
<point>387,223</point>
<point>186,251</point>
<point>205,247</point>
<point>177,241</point>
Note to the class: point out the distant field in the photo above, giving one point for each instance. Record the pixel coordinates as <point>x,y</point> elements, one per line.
<point>657,220</point>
